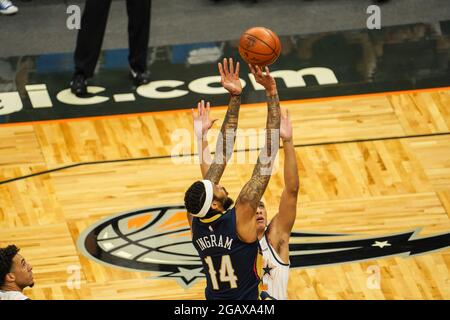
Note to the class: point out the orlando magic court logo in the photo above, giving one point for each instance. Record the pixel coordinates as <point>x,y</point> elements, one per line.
<point>158,239</point>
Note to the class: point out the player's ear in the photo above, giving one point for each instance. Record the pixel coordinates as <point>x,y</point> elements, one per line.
<point>10,277</point>
<point>215,204</point>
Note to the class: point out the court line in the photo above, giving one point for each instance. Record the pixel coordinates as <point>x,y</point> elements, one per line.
<point>256,104</point>
<point>234,151</point>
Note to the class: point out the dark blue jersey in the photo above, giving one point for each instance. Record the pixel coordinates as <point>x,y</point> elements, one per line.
<point>231,266</point>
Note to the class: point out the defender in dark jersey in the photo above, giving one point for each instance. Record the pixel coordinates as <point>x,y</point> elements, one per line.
<point>225,236</point>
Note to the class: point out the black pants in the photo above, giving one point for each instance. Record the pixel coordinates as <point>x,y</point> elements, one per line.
<point>93,25</point>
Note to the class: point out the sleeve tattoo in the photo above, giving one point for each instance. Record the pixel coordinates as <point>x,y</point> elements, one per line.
<point>225,141</point>
<point>254,189</point>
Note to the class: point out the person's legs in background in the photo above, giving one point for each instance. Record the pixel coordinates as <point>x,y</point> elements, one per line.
<point>139,14</point>
<point>89,43</point>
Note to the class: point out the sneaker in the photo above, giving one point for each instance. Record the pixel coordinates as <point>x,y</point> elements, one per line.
<point>6,7</point>
<point>140,78</point>
<point>78,85</point>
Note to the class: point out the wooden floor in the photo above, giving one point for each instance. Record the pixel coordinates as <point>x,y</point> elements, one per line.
<point>370,165</point>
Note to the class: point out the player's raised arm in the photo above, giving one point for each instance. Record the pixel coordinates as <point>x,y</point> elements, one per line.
<point>225,143</point>
<point>281,225</point>
<point>202,124</point>
<point>251,193</point>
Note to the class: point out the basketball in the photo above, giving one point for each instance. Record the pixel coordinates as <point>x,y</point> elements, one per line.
<point>259,46</point>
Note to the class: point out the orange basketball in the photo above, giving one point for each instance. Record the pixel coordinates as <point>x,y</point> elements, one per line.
<point>259,46</point>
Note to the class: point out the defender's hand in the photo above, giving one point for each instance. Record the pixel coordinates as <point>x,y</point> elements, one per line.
<point>285,126</point>
<point>202,121</point>
<point>230,76</point>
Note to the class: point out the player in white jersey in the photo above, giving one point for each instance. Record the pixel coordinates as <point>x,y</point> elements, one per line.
<point>12,295</point>
<point>273,237</point>
<point>15,274</point>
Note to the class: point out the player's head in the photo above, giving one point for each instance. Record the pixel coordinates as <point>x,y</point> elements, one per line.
<point>15,272</point>
<point>261,217</point>
<point>204,199</point>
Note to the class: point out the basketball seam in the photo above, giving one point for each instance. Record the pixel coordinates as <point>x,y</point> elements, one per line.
<point>273,51</point>
<point>261,54</point>
<point>273,38</point>
<point>265,61</point>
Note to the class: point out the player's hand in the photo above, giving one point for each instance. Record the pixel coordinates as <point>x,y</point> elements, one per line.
<point>201,119</point>
<point>285,126</point>
<point>264,79</point>
<point>230,76</point>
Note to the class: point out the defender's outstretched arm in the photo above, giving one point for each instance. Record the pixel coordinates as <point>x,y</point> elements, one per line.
<point>281,225</point>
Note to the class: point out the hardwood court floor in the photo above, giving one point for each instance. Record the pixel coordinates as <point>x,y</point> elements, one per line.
<point>369,165</point>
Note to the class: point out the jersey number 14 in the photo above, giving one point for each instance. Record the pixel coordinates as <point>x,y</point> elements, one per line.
<point>226,272</point>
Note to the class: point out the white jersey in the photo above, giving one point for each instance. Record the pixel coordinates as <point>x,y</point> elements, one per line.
<point>275,272</point>
<point>12,295</point>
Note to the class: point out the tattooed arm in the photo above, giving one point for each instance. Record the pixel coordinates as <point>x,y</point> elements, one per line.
<point>251,193</point>
<point>213,170</point>
<point>227,137</point>
<point>225,141</point>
